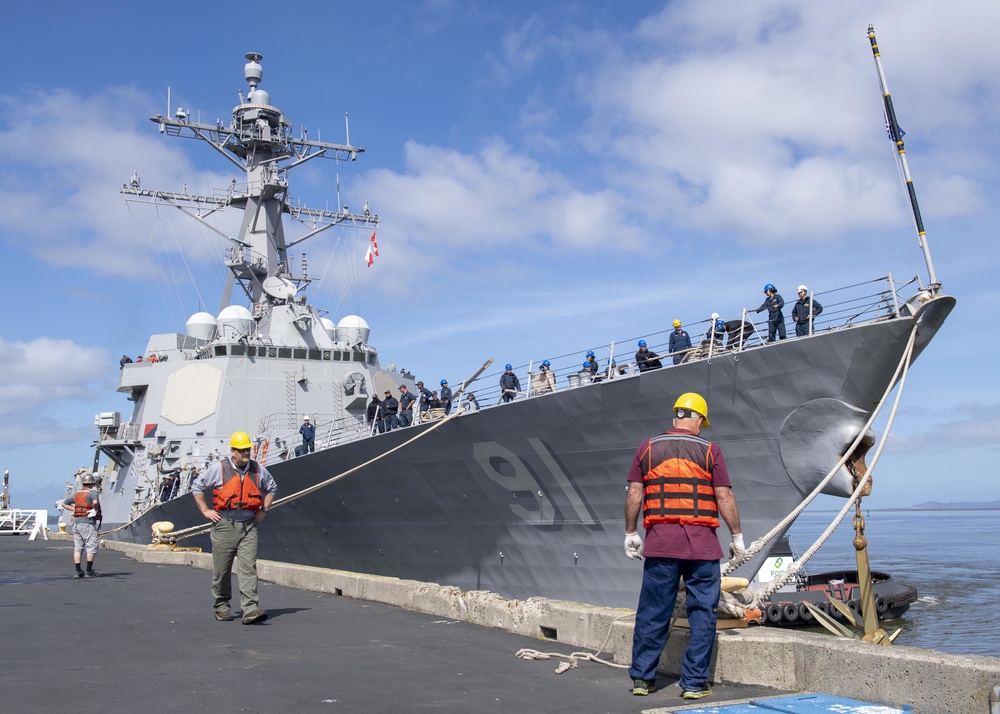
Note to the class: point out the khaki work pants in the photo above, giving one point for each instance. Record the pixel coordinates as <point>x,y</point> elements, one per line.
<point>234,540</point>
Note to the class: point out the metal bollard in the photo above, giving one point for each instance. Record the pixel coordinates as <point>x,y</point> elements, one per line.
<point>994,699</point>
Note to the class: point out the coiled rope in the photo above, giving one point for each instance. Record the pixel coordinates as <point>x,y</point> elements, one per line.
<point>574,657</point>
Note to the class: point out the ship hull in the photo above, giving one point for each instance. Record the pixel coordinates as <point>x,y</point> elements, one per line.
<point>526,499</point>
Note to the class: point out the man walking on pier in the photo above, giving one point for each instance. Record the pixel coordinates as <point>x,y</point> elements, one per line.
<point>242,491</point>
<point>86,507</point>
<point>680,482</point>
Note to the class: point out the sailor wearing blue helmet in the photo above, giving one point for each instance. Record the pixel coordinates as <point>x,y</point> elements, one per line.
<point>510,385</point>
<point>775,317</point>
<point>646,360</point>
<point>716,330</point>
<point>591,364</point>
<point>445,396</point>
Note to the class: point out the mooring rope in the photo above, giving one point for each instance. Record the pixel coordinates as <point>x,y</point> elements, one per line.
<point>765,593</point>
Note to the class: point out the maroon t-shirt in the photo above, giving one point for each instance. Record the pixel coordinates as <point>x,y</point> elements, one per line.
<point>675,540</point>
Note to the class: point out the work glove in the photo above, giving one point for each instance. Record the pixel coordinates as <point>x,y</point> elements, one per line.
<point>737,550</point>
<point>92,513</point>
<point>633,546</point>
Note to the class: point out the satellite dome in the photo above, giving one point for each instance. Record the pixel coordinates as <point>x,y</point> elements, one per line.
<point>201,325</point>
<point>234,322</point>
<point>260,98</point>
<point>352,329</point>
<point>330,327</point>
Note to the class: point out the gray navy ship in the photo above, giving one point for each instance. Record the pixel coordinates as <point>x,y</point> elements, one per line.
<point>522,498</point>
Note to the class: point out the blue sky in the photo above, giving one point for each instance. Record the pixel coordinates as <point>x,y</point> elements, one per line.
<point>550,177</point>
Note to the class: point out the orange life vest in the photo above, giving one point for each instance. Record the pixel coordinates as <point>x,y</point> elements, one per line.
<point>81,507</point>
<point>677,482</point>
<point>237,491</point>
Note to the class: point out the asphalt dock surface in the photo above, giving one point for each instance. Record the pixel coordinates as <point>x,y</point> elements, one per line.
<point>143,638</point>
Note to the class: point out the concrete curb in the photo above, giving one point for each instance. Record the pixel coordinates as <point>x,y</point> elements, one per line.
<point>923,680</point>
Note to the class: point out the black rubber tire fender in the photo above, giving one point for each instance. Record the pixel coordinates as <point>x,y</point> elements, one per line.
<point>804,614</point>
<point>881,605</point>
<point>790,612</point>
<point>773,613</point>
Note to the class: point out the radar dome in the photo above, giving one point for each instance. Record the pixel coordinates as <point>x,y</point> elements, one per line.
<point>260,98</point>
<point>200,325</point>
<point>234,322</point>
<point>352,329</point>
<point>330,327</point>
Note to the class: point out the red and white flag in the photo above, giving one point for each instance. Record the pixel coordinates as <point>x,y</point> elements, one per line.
<point>374,243</point>
<point>369,257</point>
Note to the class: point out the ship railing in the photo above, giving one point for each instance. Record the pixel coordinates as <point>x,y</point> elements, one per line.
<point>843,308</point>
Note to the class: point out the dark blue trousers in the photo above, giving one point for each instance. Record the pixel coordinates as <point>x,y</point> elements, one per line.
<point>660,582</point>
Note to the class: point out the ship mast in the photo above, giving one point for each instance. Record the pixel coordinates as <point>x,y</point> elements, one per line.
<point>262,143</point>
<point>896,135</point>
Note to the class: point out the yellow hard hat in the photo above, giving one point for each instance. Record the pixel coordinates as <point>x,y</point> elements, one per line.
<point>694,402</point>
<point>677,323</point>
<point>240,440</point>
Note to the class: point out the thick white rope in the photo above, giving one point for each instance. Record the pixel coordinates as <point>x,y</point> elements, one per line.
<point>574,657</point>
<point>779,582</point>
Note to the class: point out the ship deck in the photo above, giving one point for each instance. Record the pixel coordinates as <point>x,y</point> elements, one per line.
<point>142,638</point>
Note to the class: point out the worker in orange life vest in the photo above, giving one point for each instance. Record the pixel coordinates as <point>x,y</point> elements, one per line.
<point>242,492</point>
<point>86,507</point>
<point>680,482</point>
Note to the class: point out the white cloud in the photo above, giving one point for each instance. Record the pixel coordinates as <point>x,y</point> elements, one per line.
<point>38,380</point>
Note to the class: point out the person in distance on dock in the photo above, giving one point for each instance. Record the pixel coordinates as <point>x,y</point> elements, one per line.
<point>509,384</point>
<point>681,484</point>
<point>773,303</point>
<point>446,397</point>
<point>680,342</point>
<point>390,406</point>
<point>308,432</point>
<point>805,311</point>
<point>405,406</point>
<point>242,491</point>
<point>86,507</point>
<point>646,360</point>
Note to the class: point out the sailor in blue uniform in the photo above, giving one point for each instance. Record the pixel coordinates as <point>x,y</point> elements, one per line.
<point>775,317</point>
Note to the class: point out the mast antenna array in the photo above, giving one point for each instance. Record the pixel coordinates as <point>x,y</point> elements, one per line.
<point>896,135</point>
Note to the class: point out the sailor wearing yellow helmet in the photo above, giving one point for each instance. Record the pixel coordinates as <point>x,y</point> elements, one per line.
<point>680,342</point>
<point>680,482</point>
<point>242,491</point>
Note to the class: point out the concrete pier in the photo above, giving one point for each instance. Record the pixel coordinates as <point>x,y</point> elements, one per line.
<point>332,640</point>
<point>784,660</point>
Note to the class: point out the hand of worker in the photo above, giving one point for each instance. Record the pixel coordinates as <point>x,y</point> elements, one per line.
<point>92,513</point>
<point>633,546</point>
<point>737,550</point>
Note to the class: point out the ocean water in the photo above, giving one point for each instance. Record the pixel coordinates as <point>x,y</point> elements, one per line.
<point>951,557</point>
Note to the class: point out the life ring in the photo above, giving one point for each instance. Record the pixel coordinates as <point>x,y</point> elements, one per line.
<point>773,613</point>
<point>804,613</point>
<point>790,611</point>
<point>881,605</point>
